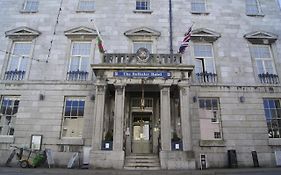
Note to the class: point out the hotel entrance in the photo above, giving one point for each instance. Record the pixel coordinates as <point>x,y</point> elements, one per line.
<point>141,137</point>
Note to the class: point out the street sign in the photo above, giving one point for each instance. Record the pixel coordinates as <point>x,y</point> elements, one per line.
<point>141,74</point>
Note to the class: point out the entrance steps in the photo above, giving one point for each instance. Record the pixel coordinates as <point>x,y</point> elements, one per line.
<point>142,162</point>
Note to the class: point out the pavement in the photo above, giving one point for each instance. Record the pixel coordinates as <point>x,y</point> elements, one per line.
<point>61,171</point>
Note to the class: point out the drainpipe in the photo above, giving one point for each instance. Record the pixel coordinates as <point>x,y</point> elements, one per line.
<point>171,26</point>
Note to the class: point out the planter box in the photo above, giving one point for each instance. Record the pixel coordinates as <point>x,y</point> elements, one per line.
<point>176,145</point>
<point>106,145</point>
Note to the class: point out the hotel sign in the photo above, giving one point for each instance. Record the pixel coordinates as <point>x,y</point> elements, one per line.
<point>142,74</point>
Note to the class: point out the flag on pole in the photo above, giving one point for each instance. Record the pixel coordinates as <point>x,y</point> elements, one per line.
<point>100,45</point>
<point>185,40</point>
<point>99,39</point>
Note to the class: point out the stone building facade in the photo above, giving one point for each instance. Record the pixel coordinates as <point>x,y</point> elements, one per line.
<point>141,99</point>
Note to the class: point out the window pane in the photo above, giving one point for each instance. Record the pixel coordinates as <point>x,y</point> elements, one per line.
<point>260,66</point>
<point>203,51</point>
<point>86,5</point>
<point>215,104</point>
<point>22,48</point>
<point>209,65</point>
<point>81,49</point>
<point>198,65</point>
<point>202,103</point>
<point>74,63</point>
<point>208,104</point>
<point>265,103</point>
<point>271,104</point>
<point>198,6</point>
<point>142,5</point>
<point>268,114</point>
<point>84,64</point>
<point>268,64</point>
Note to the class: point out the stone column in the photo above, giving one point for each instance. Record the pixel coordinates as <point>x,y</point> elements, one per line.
<point>165,112</point>
<point>185,118</point>
<point>118,118</point>
<point>98,117</point>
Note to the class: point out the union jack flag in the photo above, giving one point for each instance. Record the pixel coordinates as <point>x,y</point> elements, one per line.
<point>185,40</point>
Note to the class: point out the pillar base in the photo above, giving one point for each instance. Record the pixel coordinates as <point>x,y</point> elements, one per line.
<point>107,159</point>
<point>177,160</point>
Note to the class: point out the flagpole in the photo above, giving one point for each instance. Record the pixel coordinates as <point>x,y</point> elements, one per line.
<point>96,29</point>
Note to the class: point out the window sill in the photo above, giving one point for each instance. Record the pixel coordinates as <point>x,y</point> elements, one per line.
<point>25,11</point>
<point>85,11</point>
<point>211,143</point>
<point>143,11</point>
<point>6,139</point>
<point>199,13</point>
<point>71,141</point>
<point>274,141</point>
<point>256,15</point>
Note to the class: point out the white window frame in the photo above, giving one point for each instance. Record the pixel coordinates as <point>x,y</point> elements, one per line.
<point>271,119</point>
<point>198,11</point>
<point>142,42</point>
<point>13,116</point>
<point>79,9</point>
<point>218,114</point>
<point>80,56</point>
<point>257,5</point>
<point>263,59</point>
<point>21,57</point>
<point>204,58</point>
<point>148,5</point>
<point>64,117</point>
<point>24,8</point>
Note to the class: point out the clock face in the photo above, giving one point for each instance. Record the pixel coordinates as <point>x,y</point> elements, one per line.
<point>142,55</point>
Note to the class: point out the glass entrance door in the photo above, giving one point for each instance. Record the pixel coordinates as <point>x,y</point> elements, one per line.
<point>141,138</point>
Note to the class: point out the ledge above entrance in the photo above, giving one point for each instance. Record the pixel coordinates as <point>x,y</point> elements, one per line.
<point>131,74</point>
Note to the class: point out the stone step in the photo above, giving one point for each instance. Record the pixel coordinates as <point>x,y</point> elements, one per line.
<point>143,164</point>
<point>141,168</point>
<point>142,160</point>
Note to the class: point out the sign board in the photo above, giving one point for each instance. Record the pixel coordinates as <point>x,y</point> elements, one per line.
<point>278,158</point>
<point>203,161</point>
<point>50,158</point>
<point>72,160</point>
<point>142,74</point>
<point>86,155</point>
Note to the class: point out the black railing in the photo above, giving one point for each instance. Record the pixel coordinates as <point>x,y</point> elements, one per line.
<point>206,77</point>
<point>268,78</point>
<point>156,59</point>
<point>14,75</point>
<point>77,75</point>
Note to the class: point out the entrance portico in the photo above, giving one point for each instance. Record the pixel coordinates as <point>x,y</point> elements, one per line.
<point>143,106</point>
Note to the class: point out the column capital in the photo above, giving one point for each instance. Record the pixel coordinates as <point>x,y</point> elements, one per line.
<point>163,86</point>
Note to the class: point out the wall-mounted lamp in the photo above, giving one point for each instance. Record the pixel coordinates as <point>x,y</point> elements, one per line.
<point>242,99</point>
<point>194,99</point>
<point>93,97</point>
<point>41,97</point>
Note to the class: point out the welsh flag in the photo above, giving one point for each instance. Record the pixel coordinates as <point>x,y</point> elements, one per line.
<point>100,45</point>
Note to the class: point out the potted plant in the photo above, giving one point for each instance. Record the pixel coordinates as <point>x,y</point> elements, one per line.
<point>176,142</point>
<point>108,141</point>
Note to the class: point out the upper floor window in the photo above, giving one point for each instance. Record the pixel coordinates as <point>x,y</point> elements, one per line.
<point>79,61</point>
<point>198,6</point>
<point>73,117</point>
<point>86,6</point>
<point>279,2</point>
<point>272,109</point>
<point>138,45</point>
<point>9,110</point>
<point>18,61</point>
<point>264,63</point>
<point>209,114</point>
<point>204,63</point>
<point>30,6</point>
<point>253,7</point>
<point>142,4</point>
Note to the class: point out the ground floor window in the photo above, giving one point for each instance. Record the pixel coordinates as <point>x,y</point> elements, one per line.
<point>272,109</point>
<point>73,117</point>
<point>9,110</point>
<point>210,120</point>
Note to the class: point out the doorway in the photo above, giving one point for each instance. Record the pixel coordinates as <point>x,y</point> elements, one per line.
<point>142,133</point>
